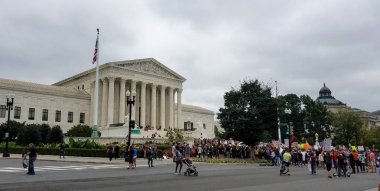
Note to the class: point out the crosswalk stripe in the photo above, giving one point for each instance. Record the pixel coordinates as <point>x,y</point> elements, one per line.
<point>62,168</point>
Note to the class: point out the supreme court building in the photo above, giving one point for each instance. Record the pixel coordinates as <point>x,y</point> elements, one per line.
<point>69,102</point>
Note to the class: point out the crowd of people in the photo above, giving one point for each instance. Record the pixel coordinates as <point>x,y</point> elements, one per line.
<point>215,148</point>
<point>345,161</point>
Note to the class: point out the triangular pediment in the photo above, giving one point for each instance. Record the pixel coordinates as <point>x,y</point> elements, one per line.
<point>149,66</point>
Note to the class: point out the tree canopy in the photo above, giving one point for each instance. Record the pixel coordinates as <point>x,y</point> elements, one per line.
<point>347,127</point>
<point>249,113</point>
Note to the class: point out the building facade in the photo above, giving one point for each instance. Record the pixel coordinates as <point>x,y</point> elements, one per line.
<point>370,120</point>
<point>158,105</point>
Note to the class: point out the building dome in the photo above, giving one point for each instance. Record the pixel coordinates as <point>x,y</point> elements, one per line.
<point>325,91</point>
<point>326,98</point>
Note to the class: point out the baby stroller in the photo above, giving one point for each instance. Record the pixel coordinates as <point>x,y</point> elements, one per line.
<point>191,169</point>
<point>283,169</point>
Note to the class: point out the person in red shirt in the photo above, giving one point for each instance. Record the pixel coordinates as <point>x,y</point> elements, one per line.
<point>335,159</point>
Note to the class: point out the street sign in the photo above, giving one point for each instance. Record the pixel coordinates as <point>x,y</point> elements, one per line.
<point>135,131</point>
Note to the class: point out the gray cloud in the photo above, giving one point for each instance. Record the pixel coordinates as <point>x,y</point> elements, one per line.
<point>214,44</point>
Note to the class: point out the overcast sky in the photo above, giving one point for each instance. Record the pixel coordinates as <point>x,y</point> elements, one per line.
<point>213,44</point>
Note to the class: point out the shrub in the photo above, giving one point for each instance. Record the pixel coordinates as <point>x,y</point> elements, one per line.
<point>29,134</point>
<point>80,131</point>
<point>14,128</point>
<point>44,132</point>
<point>55,135</point>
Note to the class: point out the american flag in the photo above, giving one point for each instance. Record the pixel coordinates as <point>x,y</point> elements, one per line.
<point>96,50</point>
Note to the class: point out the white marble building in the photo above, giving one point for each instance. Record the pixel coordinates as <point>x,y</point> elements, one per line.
<point>71,101</point>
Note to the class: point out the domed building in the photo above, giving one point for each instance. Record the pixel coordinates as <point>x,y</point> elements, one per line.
<point>329,101</point>
<point>370,120</point>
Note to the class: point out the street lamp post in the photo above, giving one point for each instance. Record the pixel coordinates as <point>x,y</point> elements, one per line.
<point>288,112</point>
<point>10,98</point>
<point>130,103</point>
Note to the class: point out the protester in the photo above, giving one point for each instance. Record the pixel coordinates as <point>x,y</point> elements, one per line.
<point>149,154</point>
<point>178,160</point>
<point>329,161</point>
<point>110,151</point>
<point>32,154</point>
<point>62,150</point>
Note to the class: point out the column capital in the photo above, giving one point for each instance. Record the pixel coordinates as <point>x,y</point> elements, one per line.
<point>122,79</point>
<point>111,79</point>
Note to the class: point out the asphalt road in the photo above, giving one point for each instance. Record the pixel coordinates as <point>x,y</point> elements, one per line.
<point>84,176</point>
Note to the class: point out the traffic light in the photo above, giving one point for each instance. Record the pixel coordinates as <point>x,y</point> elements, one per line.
<point>132,124</point>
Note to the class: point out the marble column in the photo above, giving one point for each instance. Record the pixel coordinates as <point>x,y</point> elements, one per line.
<point>122,101</point>
<point>162,108</point>
<point>143,104</point>
<point>133,88</point>
<point>104,102</point>
<point>171,108</point>
<point>153,107</point>
<point>111,99</point>
<point>179,109</point>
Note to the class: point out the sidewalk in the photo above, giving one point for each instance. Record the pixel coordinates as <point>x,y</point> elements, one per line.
<point>98,160</point>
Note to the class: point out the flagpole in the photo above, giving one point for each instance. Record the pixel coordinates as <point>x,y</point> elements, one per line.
<point>95,127</point>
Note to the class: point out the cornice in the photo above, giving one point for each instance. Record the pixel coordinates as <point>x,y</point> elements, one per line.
<point>14,85</point>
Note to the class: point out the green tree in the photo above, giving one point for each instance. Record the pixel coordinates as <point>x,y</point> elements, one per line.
<point>218,134</point>
<point>370,137</point>
<point>249,113</point>
<point>316,119</point>
<point>55,135</point>
<point>347,126</point>
<point>44,132</point>
<point>174,135</point>
<point>14,128</point>
<point>29,134</point>
<point>293,103</point>
<point>79,131</point>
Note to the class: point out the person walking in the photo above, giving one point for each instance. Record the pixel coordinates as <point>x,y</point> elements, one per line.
<point>62,150</point>
<point>134,156</point>
<point>178,159</point>
<point>32,154</point>
<point>110,151</point>
<point>116,153</point>
<point>286,160</point>
<point>149,156</point>
<point>342,164</point>
<point>328,161</point>
<point>130,156</point>
<point>356,160</point>
<point>313,163</point>
<point>372,160</point>
<point>352,162</point>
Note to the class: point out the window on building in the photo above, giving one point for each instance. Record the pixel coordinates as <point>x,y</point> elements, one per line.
<point>82,87</point>
<point>17,114</point>
<point>32,112</point>
<point>3,110</point>
<point>82,118</point>
<point>204,125</point>
<point>188,126</point>
<point>57,116</point>
<point>45,115</point>
<point>70,117</point>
